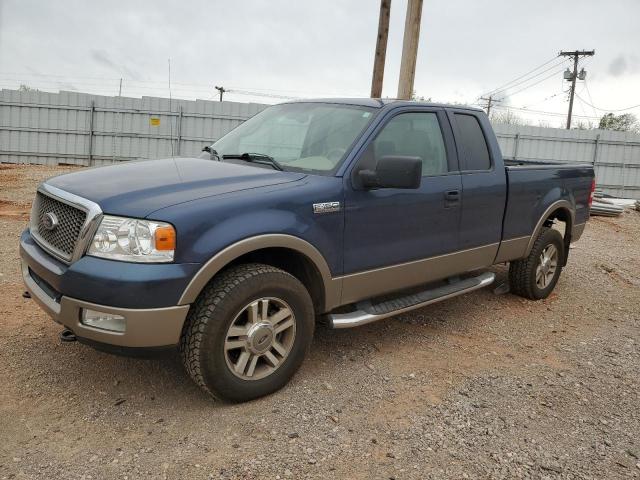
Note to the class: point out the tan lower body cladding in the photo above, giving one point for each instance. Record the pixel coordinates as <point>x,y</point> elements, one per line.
<point>359,286</point>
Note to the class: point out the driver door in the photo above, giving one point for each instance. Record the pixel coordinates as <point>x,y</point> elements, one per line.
<point>390,233</point>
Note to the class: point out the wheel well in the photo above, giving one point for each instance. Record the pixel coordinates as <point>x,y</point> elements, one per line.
<point>294,263</point>
<point>562,215</point>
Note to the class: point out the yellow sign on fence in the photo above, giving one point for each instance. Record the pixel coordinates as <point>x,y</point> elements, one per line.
<point>154,121</point>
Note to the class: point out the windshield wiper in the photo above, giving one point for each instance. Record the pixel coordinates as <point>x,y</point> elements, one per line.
<point>255,158</point>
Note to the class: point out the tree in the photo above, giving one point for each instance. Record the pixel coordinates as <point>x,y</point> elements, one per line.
<point>627,122</point>
<point>507,117</point>
<point>586,125</point>
<point>26,88</point>
<point>419,98</point>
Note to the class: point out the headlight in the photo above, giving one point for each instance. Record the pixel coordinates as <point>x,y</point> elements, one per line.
<point>133,240</point>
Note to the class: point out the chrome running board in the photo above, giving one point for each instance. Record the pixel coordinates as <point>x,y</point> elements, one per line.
<point>368,312</point>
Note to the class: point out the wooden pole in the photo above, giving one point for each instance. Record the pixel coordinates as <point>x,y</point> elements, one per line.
<point>410,49</point>
<point>573,90</point>
<point>381,49</point>
<point>574,76</point>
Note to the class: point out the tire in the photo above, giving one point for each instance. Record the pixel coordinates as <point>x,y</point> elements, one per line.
<point>524,277</point>
<point>230,324</point>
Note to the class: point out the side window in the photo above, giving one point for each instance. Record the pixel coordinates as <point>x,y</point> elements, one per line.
<point>474,143</point>
<point>413,135</point>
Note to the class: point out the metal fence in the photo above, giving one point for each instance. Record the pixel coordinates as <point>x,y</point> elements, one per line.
<point>83,129</point>
<point>614,155</point>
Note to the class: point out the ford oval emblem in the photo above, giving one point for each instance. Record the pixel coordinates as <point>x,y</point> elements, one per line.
<point>49,221</point>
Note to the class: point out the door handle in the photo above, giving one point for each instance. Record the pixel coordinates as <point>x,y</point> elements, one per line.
<point>451,198</point>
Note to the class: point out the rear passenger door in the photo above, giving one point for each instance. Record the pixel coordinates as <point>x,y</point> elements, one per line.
<point>483,183</point>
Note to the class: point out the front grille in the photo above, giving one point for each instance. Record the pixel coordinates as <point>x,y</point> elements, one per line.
<point>61,239</point>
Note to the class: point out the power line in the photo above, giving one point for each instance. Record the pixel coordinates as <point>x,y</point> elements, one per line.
<point>539,112</point>
<point>107,85</point>
<point>259,94</point>
<point>544,99</point>
<point>20,77</point>
<point>532,77</point>
<point>582,106</point>
<point>501,87</point>
<point>553,74</point>
<point>508,84</point>
<point>586,86</point>
<point>607,109</point>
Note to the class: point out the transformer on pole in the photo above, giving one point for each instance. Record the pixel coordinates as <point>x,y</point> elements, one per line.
<point>572,76</point>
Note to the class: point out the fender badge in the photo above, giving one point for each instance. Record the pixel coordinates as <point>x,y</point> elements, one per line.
<point>326,207</point>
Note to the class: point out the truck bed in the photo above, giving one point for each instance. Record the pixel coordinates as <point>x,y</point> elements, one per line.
<point>533,186</point>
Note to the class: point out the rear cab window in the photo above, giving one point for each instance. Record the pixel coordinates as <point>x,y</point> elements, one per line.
<point>476,152</point>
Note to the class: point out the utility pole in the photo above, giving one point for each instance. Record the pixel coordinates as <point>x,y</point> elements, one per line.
<point>576,54</point>
<point>410,49</point>
<point>490,101</point>
<point>381,49</point>
<point>120,89</point>
<point>221,90</point>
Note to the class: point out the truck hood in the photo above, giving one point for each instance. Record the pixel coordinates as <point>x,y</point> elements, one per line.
<point>139,188</point>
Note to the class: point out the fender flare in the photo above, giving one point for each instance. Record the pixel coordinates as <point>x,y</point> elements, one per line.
<point>557,205</point>
<point>332,287</point>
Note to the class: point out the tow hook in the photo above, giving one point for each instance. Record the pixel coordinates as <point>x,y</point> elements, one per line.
<point>67,335</point>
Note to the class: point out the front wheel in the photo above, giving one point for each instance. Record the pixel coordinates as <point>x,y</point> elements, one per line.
<point>248,332</point>
<point>535,276</point>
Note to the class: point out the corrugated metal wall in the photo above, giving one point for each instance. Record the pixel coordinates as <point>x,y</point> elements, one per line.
<point>83,129</point>
<point>615,155</point>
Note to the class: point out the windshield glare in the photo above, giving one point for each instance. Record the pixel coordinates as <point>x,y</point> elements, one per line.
<point>312,137</point>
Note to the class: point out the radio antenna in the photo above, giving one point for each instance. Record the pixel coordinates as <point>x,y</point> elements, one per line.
<point>170,110</point>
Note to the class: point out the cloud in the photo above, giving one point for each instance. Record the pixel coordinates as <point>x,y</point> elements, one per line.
<point>102,57</point>
<point>315,48</point>
<point>624,65</point>
<point>618,66</point>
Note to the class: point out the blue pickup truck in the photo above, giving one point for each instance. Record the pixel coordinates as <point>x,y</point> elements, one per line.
<point>348,211</point>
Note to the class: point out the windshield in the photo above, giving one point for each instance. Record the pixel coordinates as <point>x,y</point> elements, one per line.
<point>313,137</point>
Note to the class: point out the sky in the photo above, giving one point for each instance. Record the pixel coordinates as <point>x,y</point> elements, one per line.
<point>266,51</point>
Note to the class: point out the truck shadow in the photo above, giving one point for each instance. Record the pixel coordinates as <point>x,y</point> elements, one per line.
<point>159,378</point>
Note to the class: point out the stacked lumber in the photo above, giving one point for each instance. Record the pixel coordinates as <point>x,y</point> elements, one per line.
<point>603,207</point>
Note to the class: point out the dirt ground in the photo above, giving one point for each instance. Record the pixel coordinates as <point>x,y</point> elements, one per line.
<point>480,386</point>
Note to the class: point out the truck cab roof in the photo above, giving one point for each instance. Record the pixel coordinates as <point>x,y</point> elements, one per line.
<point>382,102</point>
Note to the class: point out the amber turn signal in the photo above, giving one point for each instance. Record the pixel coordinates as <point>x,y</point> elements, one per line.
<point>165,238</point>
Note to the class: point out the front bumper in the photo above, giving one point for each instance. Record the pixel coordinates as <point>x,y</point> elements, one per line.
<point>150,327</point>
<point>145,327</point>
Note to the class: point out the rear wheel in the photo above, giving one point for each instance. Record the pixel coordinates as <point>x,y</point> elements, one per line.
<point>535,276</point>
<point>248,332</point>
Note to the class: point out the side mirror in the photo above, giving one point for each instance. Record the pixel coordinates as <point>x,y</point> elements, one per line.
<point>393,172</point>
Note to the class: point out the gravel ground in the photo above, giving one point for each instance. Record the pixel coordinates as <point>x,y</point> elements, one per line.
<point>481,386</point>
